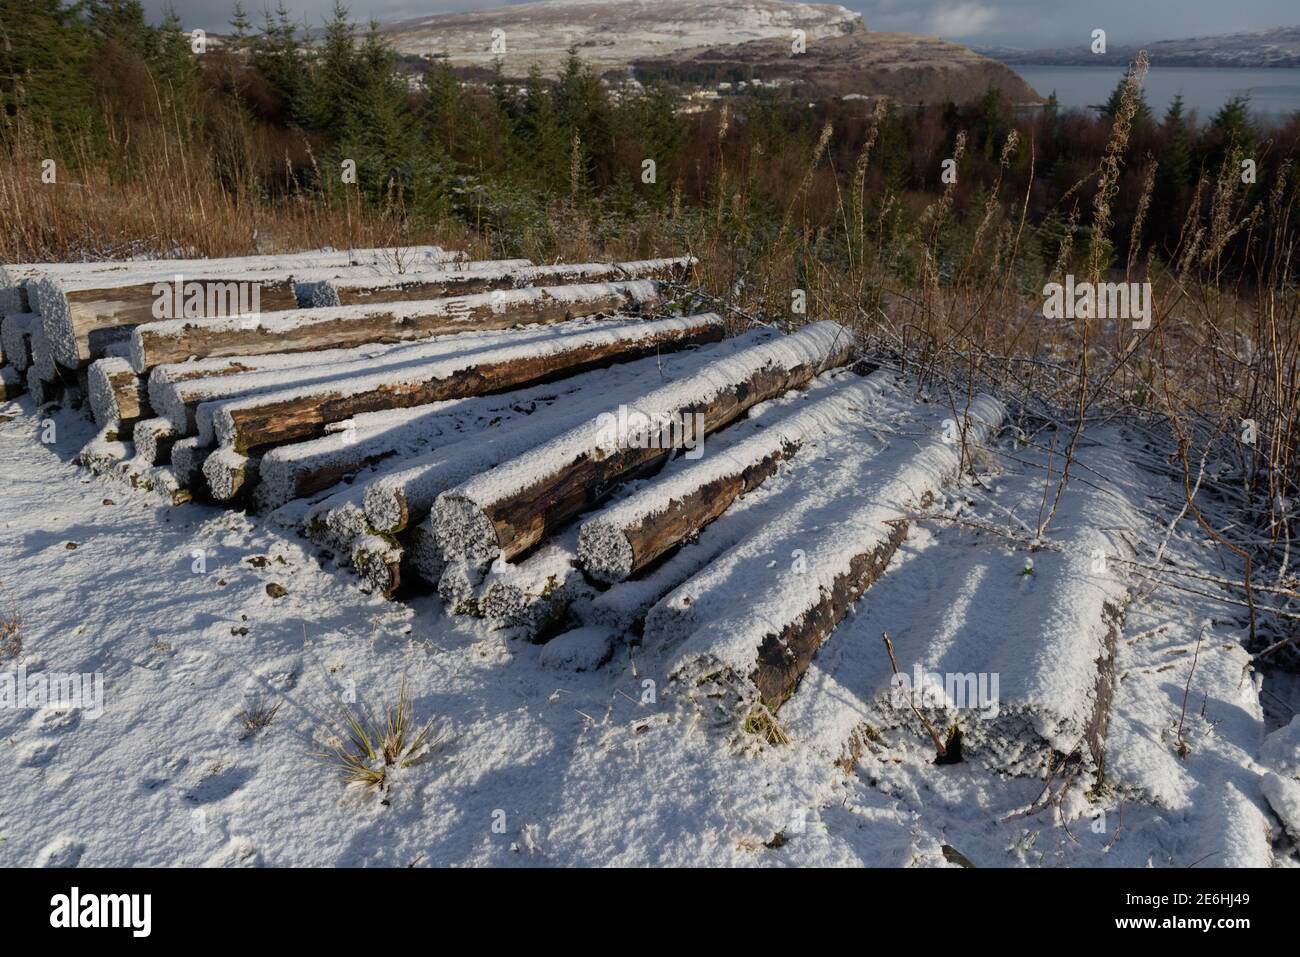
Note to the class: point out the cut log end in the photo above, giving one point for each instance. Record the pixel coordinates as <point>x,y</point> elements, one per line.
<point>424,556</point>
<point>386,508</point>
<point>464,531</point>
<point>228,474</point>
<point>379,563</point>
<point>12,383</point>
<point>605,552</point>
<point>458,587</point>
<point>154,439</point>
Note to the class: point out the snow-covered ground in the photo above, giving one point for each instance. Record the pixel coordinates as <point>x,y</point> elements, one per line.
<point>540,763</point>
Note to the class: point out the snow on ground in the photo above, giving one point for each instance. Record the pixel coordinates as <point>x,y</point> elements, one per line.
<point>544,757</point>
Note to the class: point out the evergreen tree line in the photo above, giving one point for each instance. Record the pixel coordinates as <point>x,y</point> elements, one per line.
<point>284,112</point>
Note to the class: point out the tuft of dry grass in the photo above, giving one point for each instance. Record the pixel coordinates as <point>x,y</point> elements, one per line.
<point>760,721</point>
<point>257,714</point>
<point>368,747</point>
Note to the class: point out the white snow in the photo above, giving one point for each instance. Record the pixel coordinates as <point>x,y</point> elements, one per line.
<point>602,545</point>
<point>324,291</point>
<point>442,359</point>
<point>788,566</point>
<point>604,764</point>
<point>462,528</point>
<point>280,330</point>
<point>16,330</point>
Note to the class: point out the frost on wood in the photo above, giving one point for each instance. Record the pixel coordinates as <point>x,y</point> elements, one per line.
<point>378,562</point>
<point>766,635</point>
<point>12,383</point>
<point>102,453</point>
<point>153,440</point>
<point>475,278</point>
<point>306,330</point>
<point>290,414</point>
<point>458,585</point>
<point>534,596</point>
<point>117,394</point>
<point>16,331</point>
<point>635,531</point>
<point>513,507</point>
<point>227,473</point>
<point>187,463</point>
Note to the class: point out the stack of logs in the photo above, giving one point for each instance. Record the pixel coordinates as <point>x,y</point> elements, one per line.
<point>316,387</point>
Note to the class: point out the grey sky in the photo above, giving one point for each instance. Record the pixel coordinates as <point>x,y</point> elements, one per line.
<point>1019,23</point>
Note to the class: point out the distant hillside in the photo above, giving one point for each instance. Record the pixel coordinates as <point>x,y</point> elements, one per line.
<point>609,34</point>
<point>906,67</point>
<point>1278,47</point>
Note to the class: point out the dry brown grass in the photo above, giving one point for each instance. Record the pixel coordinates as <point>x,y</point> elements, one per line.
<point>366,748</point>
<point>163,195</point>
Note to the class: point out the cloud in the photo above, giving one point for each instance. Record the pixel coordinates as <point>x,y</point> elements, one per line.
<point>962,20</point>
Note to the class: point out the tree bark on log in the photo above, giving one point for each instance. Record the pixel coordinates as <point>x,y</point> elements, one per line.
<point>623,539</point>
<point>563,478</point>
<point>261,421</point>
<point>637,544</point>
<point>83,325</point>
<point>516,274</point>
<point>771,640</point>
<point>116,393</point>
<point>311,330</point>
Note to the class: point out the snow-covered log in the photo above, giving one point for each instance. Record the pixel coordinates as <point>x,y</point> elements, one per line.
<point>83,319</point>
<point>16,331</point>
<point>188,455</point>
<point>302,469</point>
<point>85,315</point>
<point>765,635</point>
<point>378,562</point>
<point>475,278</point>
<point>403,498</point>
<point>1019,656</point>
<point>535,596</point>
<point>14,276</point>
<point>103,453</point>
<point>43,379</point>
<point>228,474</point>
<point>176,389</point>
<point>153,440</point>
<point>292,414</point>
<point>117,394</point>
<point>308,330</point>
<point>632,533</point>
<point>510,509</point>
